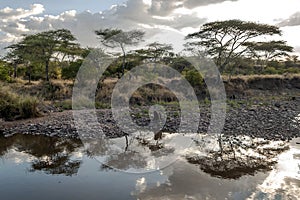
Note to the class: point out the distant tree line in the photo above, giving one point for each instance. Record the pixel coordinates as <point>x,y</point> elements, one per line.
<point>234,45</point>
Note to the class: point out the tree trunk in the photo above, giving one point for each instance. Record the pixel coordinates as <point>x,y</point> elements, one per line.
<point>29,74</point>
<point>231,72</point>
<point>47,70</point>
<point>123,64</point>
<point>222,68</point>
<point>15,70</point>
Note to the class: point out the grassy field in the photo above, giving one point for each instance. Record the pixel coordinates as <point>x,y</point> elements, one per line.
<point>21,100</point>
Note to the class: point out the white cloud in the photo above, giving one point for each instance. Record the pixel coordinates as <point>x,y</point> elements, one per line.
<point>12,23</point>
<point>7,38</point>
<point>164,8</point>
<point>250,10</point>
<point>293,20</point>
<point>134,15</point>
<point>291,35</point>
<point>196,3</point>
<point>14,14</point>
<point>165,21</point>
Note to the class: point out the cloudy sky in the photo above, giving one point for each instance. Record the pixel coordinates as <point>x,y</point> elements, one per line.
<point>167,21</point>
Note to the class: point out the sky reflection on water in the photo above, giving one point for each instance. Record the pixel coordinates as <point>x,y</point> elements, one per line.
<point>35,167</point>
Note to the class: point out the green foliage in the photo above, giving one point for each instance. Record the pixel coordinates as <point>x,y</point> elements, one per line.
<point>194,78</point>
<point>64,105</point>
<point>225,40</point>
<point>180,64</point>
<point>28,106</point>
<point>267,51</point>
<point>114,69</point>
<point>40,48</point>
<point>271,70</point>
<point>37,72</point>
<point>5,71</point>
<point>206,101</point>
<point>117,38</point>
<point>101,105</point>
<point>13,106</point>
<point>113,38</point>
<point>70,72</point>
<point>51,91</point>
<point>133,61</point>
<point>55,72</point>
<point>156,51</point>
<point>293,70</point>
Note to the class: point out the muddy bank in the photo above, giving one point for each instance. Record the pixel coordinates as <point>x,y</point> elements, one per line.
<point>268,85</point>
<point>275,121</point>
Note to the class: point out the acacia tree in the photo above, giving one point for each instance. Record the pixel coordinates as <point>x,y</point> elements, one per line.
<point>13,59</point>
<point>117,38</point>
<point>44,46</point>
<point>267,51</point>
<point>156,51</point>
<point>22,53</point>
<point>51,43</point>
<point>225,40</point>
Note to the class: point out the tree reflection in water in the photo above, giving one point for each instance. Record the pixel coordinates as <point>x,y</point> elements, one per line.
<point>5,145</point>
<point>52,155</point>
<point>117,152</point>
<point>137,152</point>
<point>239,155</point>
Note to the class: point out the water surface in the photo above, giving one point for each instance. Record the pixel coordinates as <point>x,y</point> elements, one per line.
<point>38,167</point>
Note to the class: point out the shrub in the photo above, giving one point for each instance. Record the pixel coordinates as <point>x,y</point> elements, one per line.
<point>292,70</point>
<point>4,73</point>
<point>13,106</point>
<point>37,72</point>
<point>270,70</point>
<point>70,71</point>
<point>55,72</point>
<point>28,107</point>
<point>194,78</point>
<point>64,105</point>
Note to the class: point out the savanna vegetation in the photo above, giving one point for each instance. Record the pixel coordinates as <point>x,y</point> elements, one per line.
<point>45,64</point>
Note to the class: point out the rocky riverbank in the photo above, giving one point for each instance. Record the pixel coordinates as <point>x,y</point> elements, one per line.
<point>274,121</point>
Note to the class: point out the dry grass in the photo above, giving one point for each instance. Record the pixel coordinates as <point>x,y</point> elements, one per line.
<point>255,77</point>
<point>14,106</point>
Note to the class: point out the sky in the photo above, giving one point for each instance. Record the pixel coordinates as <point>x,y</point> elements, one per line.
<point>166,21</point>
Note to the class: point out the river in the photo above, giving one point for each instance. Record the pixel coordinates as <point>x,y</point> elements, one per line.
<point>40,167</point>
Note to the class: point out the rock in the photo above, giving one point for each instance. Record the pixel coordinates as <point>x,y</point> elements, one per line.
<point>269,122</point>
<point>277,105</point>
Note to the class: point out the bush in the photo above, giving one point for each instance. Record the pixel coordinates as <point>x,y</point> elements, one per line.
<point>64,105</point>
<point>113,70</point>
<point>37,72</point>
<point>270,70</point>
<point>4,73</point>
<point>180,64</point>
<point>13,106</point>
<point>194,78</point>
<point>70,71</point>
<point>28,107</point>
<point>55,72</point>
<point>292,70</point>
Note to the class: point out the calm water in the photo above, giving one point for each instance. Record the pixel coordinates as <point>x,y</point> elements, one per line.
<point>38,167</point>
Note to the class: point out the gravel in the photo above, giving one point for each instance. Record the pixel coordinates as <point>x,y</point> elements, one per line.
<point>275,121</point>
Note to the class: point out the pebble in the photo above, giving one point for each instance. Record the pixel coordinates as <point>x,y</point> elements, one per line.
<point>270,122</point>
